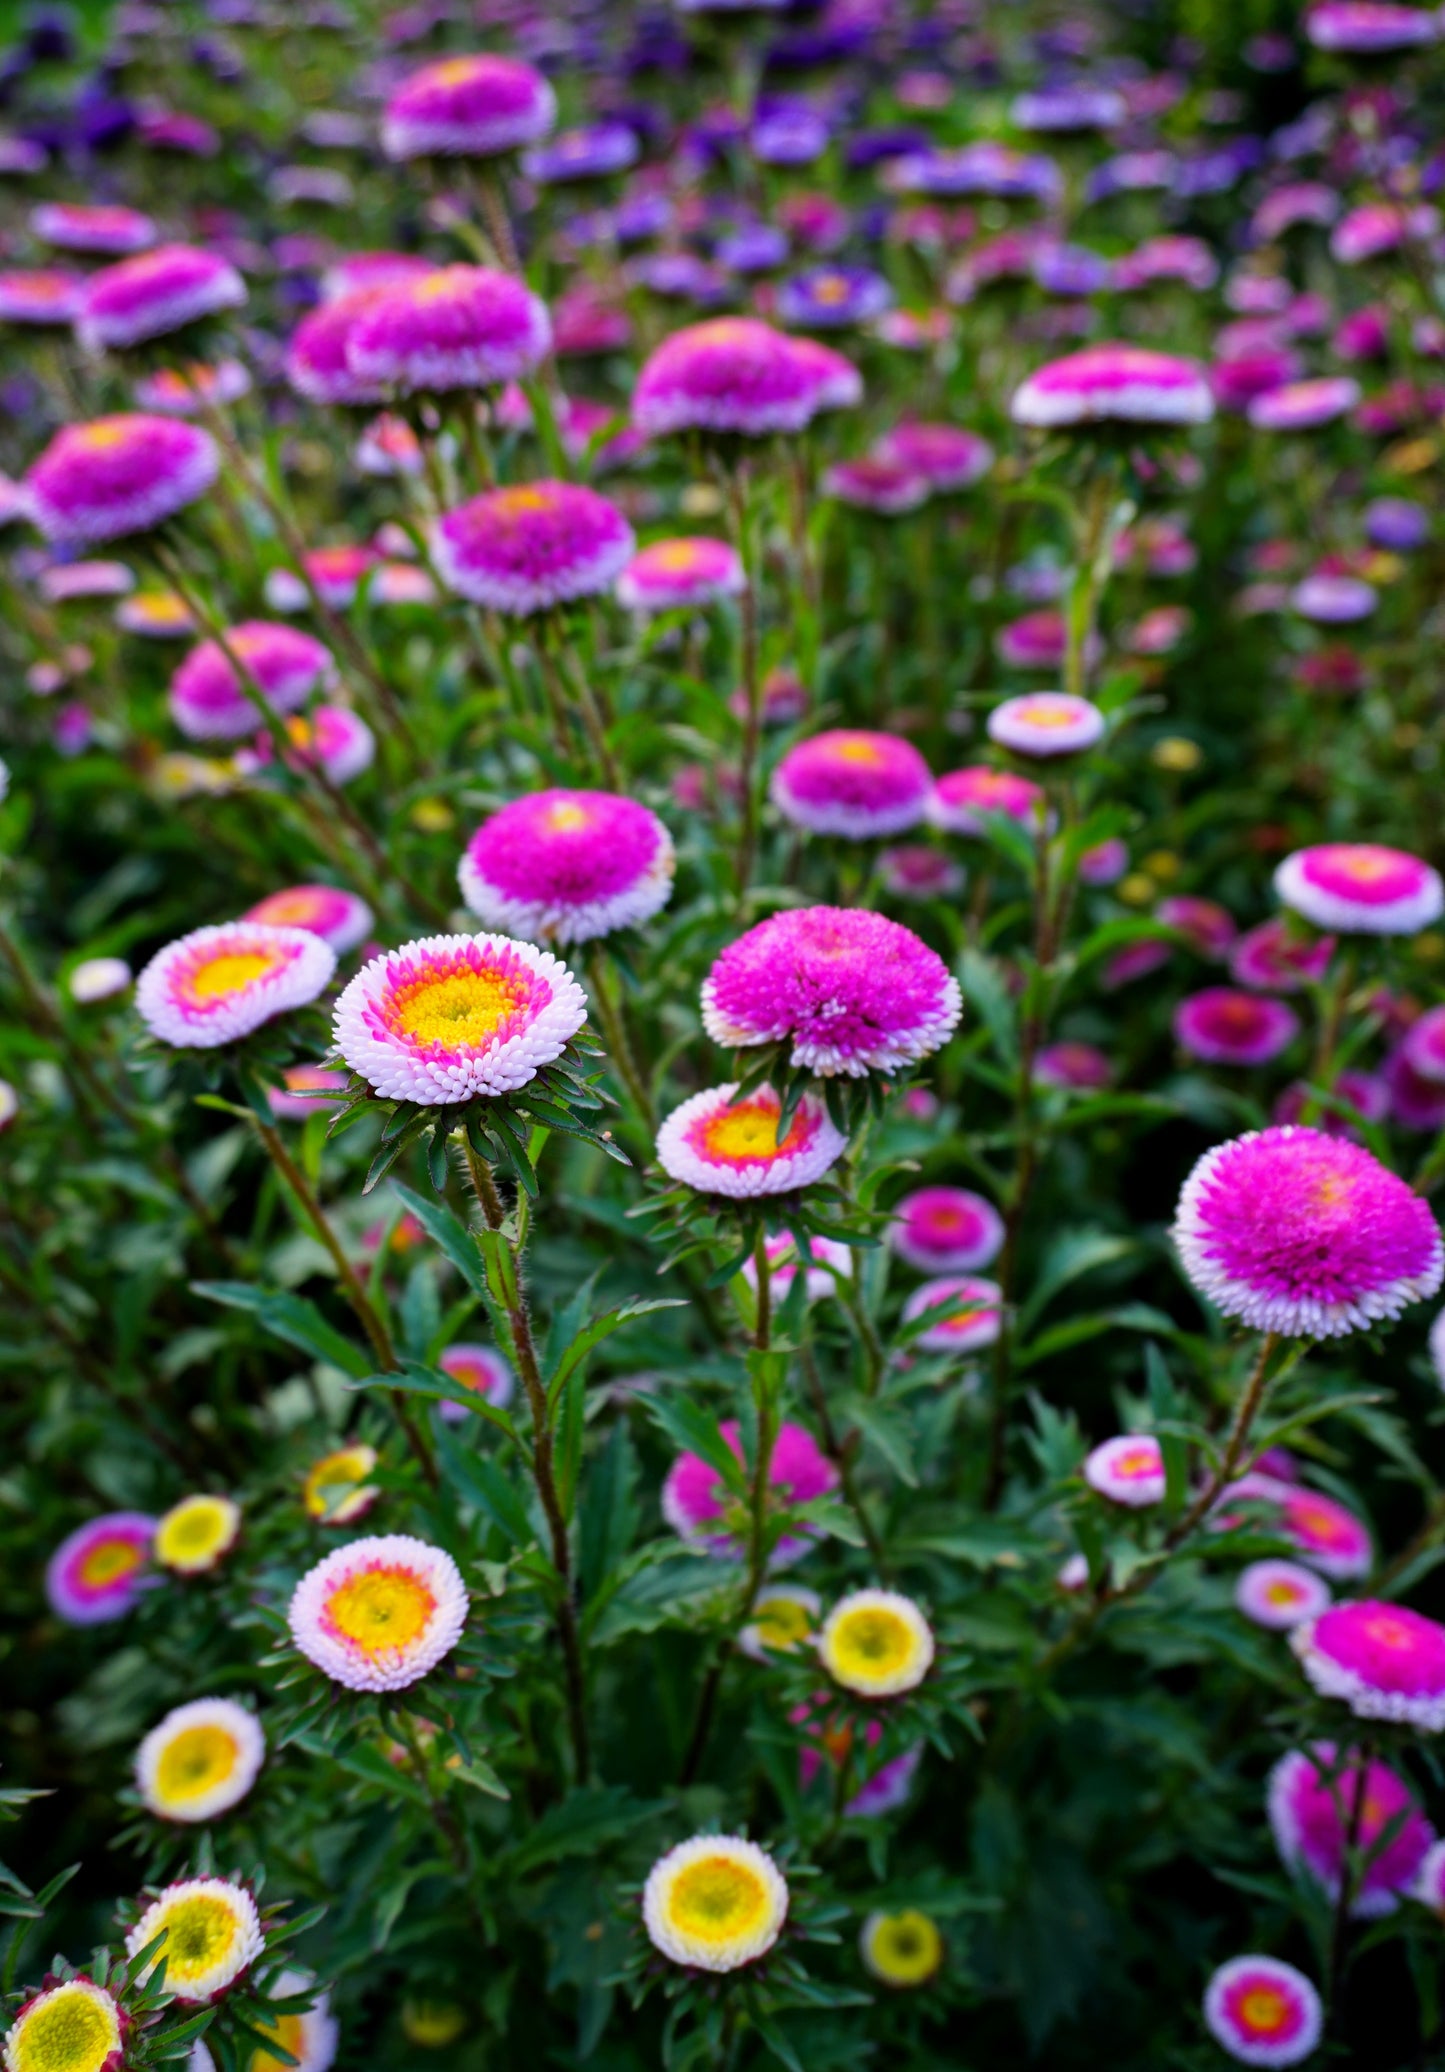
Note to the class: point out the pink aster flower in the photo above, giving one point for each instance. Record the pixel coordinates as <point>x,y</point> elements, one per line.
<point>721,1145</point>
<point>672,575</point>
<point>1367,1093</point>
<point>1302,406</point>
<point>885,487</point>
<point>389,446</point>
<point>946,1230</point>
<point>458,328</point>
<point>1424,1045</point>
<point>340,918</point>
<point>337,574</point>
<point>854,783</point>
<point>1272,958</point>
<point>186,391</point>
<point>378,1614</point>
<point>978,1307</point>
<point>1415,1103</point>
<point>1322,1531</point>
<point>1209,927</point>
<point>1369,28</point>
<point>1294,1231</point>
<point>153,293</point>
<point>1279,1594</point>
<point>1129,384</point>
<point>307,1090</point>
<point>330,738</point>
<point>1106,863</point>
<point>363,270</point>
<point>961,796</point>
<point>730,374</point>
<point>118,475</point>
<point>1127,1470</point>
<point>1226,1027</point>
<point>531,547</point>
<point>216,985</point>
<point>1378,227</point>
<point>912,870</point>
<point>317,363</point>
<point>1383,1660</point>
<point>945,455</point>
<point>568,866</point>
<point>211,699</point>
<point>452,1017</point>
<point>40,296</point>
<point>1312,1802</point>
<point>853,990</point>
<point>1038,640</point>
<point>468,107</point>
<point>698,1505</point>
<point>1361,888</point>
<point>1263,2012</point>
<point>479,1367</point>
<point>828,1260</point>
<point>97,1571</point>
<point>1046,723</point>
<point>1073,1066</point>
<point>103,229</point>
<point>832,381</point>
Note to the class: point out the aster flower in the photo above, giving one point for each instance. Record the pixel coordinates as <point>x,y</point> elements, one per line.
<point>876,1644</point>
<point>451,1017</point>
<point>1127,1470</point>
<point>1280,1594</point>
<point>719,1144</point>
<point>341,919</point>
<point>715,1903</point>
<point>467,107</point>
<point>946,456</point>
<point>946,1230</point>
<point>1361,888</point>
<point>118,475</point>
<point>698,1505</point>
<point>185,391</point>
<point>979,1306</point>
<point>212,1934</point>
<point>830,297</point>
<point>959,797</point>
<point>854,783</point>
<point>1072,1067</point>
<point>887,487</point>
<point>1263,2012</point>
<point>592,152</point>
<point>1322,1530</point>
<point>1226,1027</point>
<point>211,697</point>
<point>828,1261</point>
<point>854,992</point>
<point>568,866</point>
<point>330,738</point>
<point>72,2026</point>
<point>1045,724</point>
<point>335,573</point>
<point>1331,599</point>
<point>832,381</point>
<point>1039,640</point>
<point>460,327</point>
<point>309,2038</point>
<point>155,292</point>
<point>299,1095</point>
<point>533,546</point>
<point>317,362</point>
<point>1297,1232</point>
<point>1385,1661</point>
<point>912,870</point>
<point>1209,926</point>
<point>96,1572</point>
<point>40,296</point>
<point>1274,958</point>
<point>1415,1103</point>
<point>1312,1797</point>
<point>216,985</point>
<point>197,1533</point>
<point>101,229</point>
<point>903,1949</point>
<point>731,374</point>
<point>1128,384</point>
<point>783,1619</point>
<point>1302,406</point>
<point>1369,28</point>
<point>672,575</point>
<point>200,1760</point>
<point>98,978</point>
<point>378,1614</point>
<point>478,1367</point>
<point>336,1491</point>
<point>155,615</point>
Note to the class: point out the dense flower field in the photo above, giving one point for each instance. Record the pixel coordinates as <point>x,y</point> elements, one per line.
<point>724,1036</point>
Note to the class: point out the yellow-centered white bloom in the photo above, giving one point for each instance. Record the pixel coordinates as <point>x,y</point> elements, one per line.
<point>72,2027</point>
<point>195,1533</point>
<point>784,1618</point>
<point>212,1932</point>
<point>876,1644</point>
<point>903,1949</point>
<point>201,1759</point>
<point>716,1902</point>
<point>309,2037</point>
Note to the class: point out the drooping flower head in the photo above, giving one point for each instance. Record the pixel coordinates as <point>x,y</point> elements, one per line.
<point>978,1306</point>
<point>903,1949</point>
<point>461,327</point>
<point>1226,1027</point>
<point>876,1644</point>
<point>1263,2012</point>
<point>450,1017</point>
<point>118,475</point>
<point>75,2026</point>
<point>946,456</point>
<point>960,796</point>
<point>672,575</point>
<point>212,1934</point>
<point>210,695</point>
<point>200,1760</point>
<point>1125,384</point>
<point>1384,1660</point>
<point>1361,888</point>
<point>1294,1231</point>
<point>97,1571</point>
<point>1279,1594</point>
<point>468,107</point>
<point>378,1614</point>
<point>946,1230</point>
<point>1127,1470</point>
<point>154,293</point>
<point>852,782</point>
<point>531,546</point>
<point>308,2038</point>
<point>216,985</point>
<point>478,1367</point>
<point>336,1491</point>
<point>1046,723</point>
<point>698,1505</point>
<point>567,866</point>
<point>854,991</point>
<point>1313,1807</point>
<point>730,374</point>
<point>721,1145</point>
<point>197,1533</point>
<point>714,1903</point>
<point>342,919</point>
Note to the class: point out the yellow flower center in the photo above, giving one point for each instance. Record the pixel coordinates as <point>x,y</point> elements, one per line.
<point>907,1947</point>
<point>454,71</point>
<point>1139,1460</point>
<point>109,1561</point>
<point>436,287</point>
<point>856,750</point>
<point>289,2031</point>
<point>230,972</point>
<point>831,290</point>
<point>1039,712</point>
<point>1366,865</point>
<point>431,2023</point>
<point>513,503</point>
<point>464,1007</point>
<point>334,1479</point>
<point>198,1759</point>
<point>381,1608</point>
<point>874,1640</point>
<point>199,1932</point>
<point>1386,1631</point>
<point>783,1623</point>
<point>1264,2010</point>
<point>749,1129</point>
<point>197,1527</point>
<point>73,2032</point>
<point>674,557</point>
<point>718,1900</point>
<point>565,818</point>
<point>102,438</point>
<point>1282,1593</point>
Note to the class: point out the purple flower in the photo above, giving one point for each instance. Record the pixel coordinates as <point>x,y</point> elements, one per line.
<point>1128,383</point>
<point>532,546</point>
<point>317,362</point>
<point>1225,1027</point>
<point>1369,28</point>
<point>1312,1810</point>
<point>853,783</point>
<point>567,866</point>
<point>97,1572</point>
<point>946,456</point>
<point>832,297</point>
<point>469,107</point>
<point>732,374</point>
<point>153,293</point>
<point>460,327</point>
<point>888,487</point>
<point>697,1503</point>
<point>118,475</point>
<point>209,701</point>
<point>582,154</point>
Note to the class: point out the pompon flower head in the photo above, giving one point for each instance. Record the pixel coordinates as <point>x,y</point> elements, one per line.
<point>854,991</point>
<point>342,919</point>
<point>959,797</point>
<point>300,1094</point>
<point>1361,888</point>
<point>532,546</point>
<point>461,327</point>
<point>1424,1045</point>
<point>852,782</point>
<point>468,107</point>
<point>1383,1660</point>
<point>216,985</point>
<point>915,870</point>
<point>698,1506</point>
<point>118,475</point>
<point>1226,1027</point>
<point>1302,406</point>
<point>1046,723</point>
<point>1323,1531</point>
<point>672,575</point>
<point>730,374</point>
<point>714,1903</point>
<point>200,1760</point>
<point>1263,2012</point>
<point>317,362</point>
<point>478,1367</point>
<point>946,456</point>
<point>336,1491</point>
<point>308,2038</point>
<point>186,391</point>
<point>97,1571</point>
<point>876,1644</point>
<point>977,1302</point>
<point>451,1017</point>
<point>197,1533</point>
<point>1294,1231</point>
<point>946,1230</point>
<point>1124,384</point>
<point>831,379</point>
<point>1274,958</point>
<point>330,738</point>
<point>886,487</point>
<point>1369,28</point>
<point>210,694</point>
<point>40,296</point>
<point>1279,1594</point>
<point>74,2026</point>
<point>721,1145</point>
<point>568,866</point>
<point>903,1949</point>
<point>831,297</point>
<point>1127,1470</point>
<point>783,1619</point>
<point>212,1934</point>
<point>1317,1795</point>
<point>154,293</point>
<point>378,1614</point>
<point>105,230</point>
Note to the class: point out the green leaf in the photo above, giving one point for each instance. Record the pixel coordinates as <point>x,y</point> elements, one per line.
<point>609,1512</point>
<point>985,991</point>
<point>695,1430</point>
<point>291,1318</point>
<point>448,1231</point>
<point>580,1825</point>
<point>1071,1254</point>
<point>481,1483</point>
